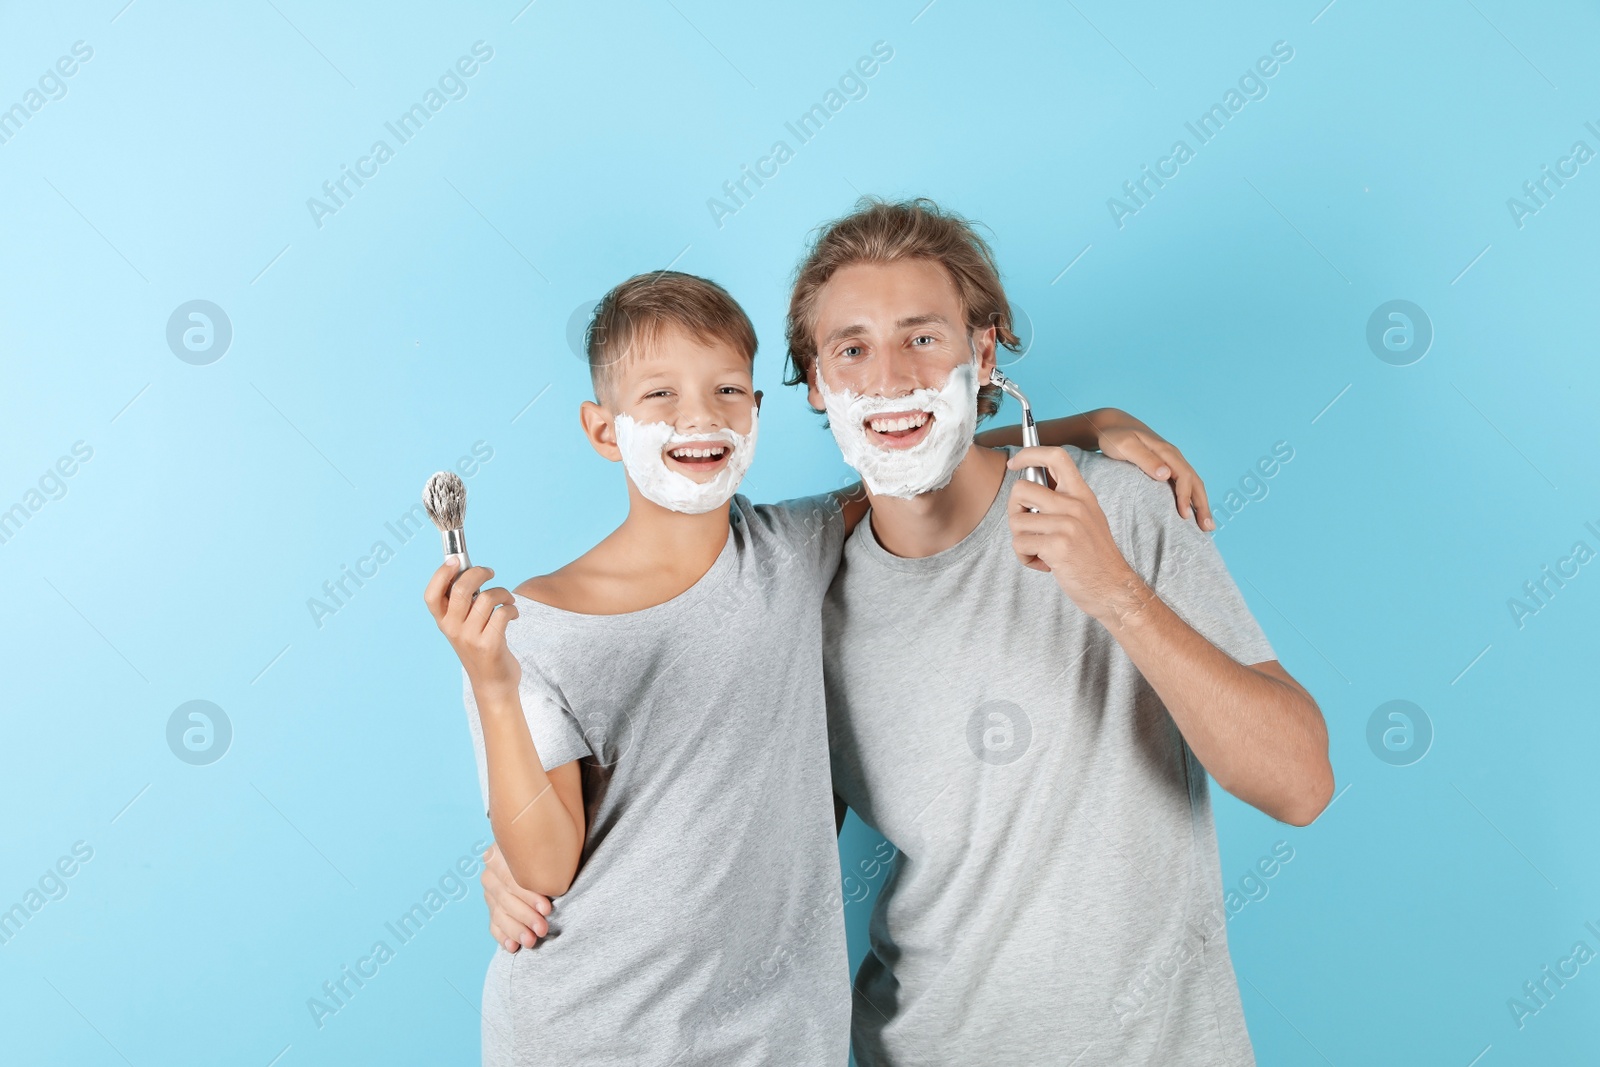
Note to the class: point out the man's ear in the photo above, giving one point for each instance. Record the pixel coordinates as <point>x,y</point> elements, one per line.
<point>986,353</point>
<point>600,427</point>
<point>813,394</point>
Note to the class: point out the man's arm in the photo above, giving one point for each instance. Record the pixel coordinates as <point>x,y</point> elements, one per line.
<point>1119,435</point>
<point>1254,728</point>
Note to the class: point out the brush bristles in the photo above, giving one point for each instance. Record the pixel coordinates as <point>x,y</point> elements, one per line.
<point>446,500</point>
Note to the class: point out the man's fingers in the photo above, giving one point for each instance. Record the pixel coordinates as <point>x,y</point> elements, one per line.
<point>1025,495</point>
<point>538,901</point>
<point>517,918</point>
<point>1062,470</point>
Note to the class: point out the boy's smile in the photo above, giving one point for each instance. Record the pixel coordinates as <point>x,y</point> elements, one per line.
<point>700,460</point>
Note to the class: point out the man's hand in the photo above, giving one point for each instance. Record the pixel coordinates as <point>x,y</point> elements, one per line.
<point>1121,436</point>
<point>516,915</point>
<point>1066,534</point>
<point>476,626</point>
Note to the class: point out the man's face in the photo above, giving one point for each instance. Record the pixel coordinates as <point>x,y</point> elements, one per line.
<point>888,329</point>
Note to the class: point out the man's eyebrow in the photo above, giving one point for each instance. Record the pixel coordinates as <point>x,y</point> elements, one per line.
<point>843,332</point>
<point>929,319</point>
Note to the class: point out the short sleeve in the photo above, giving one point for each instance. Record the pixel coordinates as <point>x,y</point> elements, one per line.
<point>1181,563</point>
<point>805,533</point>
<point>556,734</point>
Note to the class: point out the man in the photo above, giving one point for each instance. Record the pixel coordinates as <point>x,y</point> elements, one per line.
<point>1027,688</point>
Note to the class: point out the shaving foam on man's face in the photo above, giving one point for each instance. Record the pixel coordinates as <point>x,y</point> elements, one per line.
<point>667,466</point>
<point>904,446</point>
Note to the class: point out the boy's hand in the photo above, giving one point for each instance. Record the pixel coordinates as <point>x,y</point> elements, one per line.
<point>516,915</point>
<point>1124,437</point>
<point>476,626</point>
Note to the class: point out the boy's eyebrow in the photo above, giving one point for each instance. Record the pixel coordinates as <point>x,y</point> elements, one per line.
<point>931,318</point>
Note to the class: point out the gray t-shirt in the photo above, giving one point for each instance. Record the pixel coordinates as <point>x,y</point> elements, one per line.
<point>705,924</point>
<point>1056,897</point>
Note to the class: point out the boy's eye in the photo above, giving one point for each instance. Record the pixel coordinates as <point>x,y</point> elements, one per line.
<point>731,390</point>
<point>656,393</point>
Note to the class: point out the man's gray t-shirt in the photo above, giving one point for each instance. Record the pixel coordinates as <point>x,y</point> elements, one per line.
<point>705,924</point>
<point>1056,897</point>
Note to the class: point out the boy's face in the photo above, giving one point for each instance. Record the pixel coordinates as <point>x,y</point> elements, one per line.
<point>693,385</point>
<point>889,329</point>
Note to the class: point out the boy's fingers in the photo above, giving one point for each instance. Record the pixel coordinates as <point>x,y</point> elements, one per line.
<point>478,618</point>
<point>465,586</point>
<point>1148,459</point>
<point>1203,505</point>
<point>501,619</point>
<point>438,588</point>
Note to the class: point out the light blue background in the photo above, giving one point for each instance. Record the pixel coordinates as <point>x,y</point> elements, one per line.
<point>427,314</point>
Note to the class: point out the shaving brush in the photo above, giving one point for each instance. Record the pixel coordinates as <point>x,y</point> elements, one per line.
<point>445,498</point>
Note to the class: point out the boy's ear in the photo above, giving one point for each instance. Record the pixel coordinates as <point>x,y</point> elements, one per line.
<point>601,429</point>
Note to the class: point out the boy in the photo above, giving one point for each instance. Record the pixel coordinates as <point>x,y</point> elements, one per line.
<point>658,722</point>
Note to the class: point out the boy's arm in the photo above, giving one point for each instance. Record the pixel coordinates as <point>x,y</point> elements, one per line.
<point>1119,435</point>
<point>537,816</point>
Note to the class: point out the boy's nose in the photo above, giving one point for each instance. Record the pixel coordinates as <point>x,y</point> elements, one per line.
<point>696,416</point>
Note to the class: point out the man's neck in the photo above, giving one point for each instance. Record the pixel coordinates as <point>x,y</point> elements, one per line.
<point>932,522</point>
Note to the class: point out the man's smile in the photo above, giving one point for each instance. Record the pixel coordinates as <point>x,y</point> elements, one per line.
<point>897,430</point>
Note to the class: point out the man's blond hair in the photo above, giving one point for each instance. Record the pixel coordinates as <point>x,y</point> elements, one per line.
<point>883,231</point>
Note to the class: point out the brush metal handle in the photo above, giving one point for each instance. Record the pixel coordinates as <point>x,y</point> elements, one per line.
<point>455,543</point>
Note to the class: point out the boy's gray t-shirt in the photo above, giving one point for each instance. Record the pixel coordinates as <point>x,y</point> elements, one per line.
<point>705,924</point>
<point>1056,896</point>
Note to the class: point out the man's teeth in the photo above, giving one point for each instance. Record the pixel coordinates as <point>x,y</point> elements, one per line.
<point>902,422</point>
<point>714,452</point>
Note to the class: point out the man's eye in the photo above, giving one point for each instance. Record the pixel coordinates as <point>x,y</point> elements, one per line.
<point>850,350</point>
<point>923,339</point>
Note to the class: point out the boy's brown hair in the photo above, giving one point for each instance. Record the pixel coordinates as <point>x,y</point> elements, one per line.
<point>636,311</point>
<point>883,231</point>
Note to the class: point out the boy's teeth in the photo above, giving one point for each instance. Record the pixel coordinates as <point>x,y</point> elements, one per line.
<point>904,422</point>
<point>697,453</point>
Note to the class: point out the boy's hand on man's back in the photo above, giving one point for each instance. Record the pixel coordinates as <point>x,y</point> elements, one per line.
<point>476,626</point>
<point>1124,437</point>
<point>516,915</point>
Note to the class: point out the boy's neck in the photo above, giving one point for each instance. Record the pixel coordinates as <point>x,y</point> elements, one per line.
<point>671,541</point>
<point>932,522</point>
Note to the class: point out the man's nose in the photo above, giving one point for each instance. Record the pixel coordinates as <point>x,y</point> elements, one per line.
<point>893,373</point>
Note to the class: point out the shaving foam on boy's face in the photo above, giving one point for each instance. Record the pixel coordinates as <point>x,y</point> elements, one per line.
<point>691,473</point>
<point>904,446</point>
